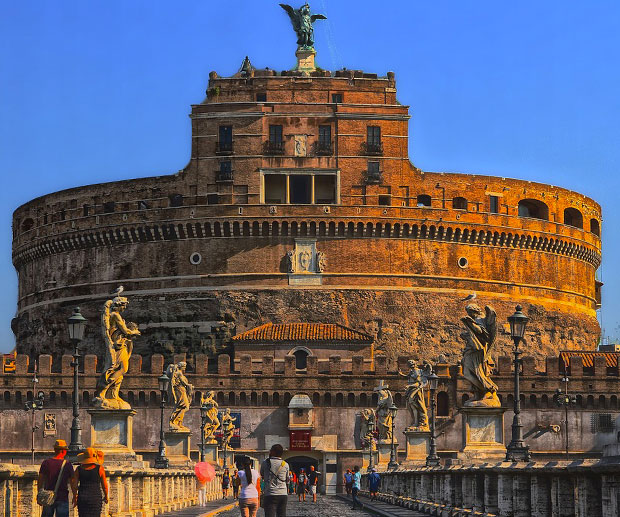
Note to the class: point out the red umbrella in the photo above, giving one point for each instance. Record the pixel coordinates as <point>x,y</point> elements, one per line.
<point>204,472</point>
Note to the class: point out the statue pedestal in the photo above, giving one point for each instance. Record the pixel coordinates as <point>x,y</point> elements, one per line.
<point>384,450</point>
<point>305,60</point>
<point>178,447</point>
<point>418,445</point>
<point>211,453</point>
<point>111,431</point>
<point>483,434</point>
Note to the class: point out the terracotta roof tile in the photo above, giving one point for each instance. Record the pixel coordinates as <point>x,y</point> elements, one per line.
<point>328,332</point>
<point>611,358</point>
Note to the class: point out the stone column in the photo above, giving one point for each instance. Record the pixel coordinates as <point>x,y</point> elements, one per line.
<point>468,484</point>
<point>610,488</point>
<point>588,497</point>
<point>521,495</point>
<point>562,496</point>
<point>540,490</point>
<point>504,494</point>
<point>490,493</point>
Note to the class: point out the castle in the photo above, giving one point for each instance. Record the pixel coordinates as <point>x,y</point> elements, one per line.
<point>296,263</point>
<point>300,204</point>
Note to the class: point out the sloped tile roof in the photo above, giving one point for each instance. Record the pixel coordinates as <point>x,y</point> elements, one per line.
<point>316,332</point>
<point>611,358</point>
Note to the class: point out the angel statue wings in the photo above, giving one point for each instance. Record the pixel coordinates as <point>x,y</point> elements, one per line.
<point>117,336</point>
<point>479,338</point>
<point>417,379</point>
<point>302,24</point>
<point>182,393</point>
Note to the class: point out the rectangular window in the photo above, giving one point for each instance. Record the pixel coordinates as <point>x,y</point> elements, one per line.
<point>85,210</point>
<point>212,199</point>
<point>261,97</point>
<point>325,136</point>
<point>373,168</point>
<point>226,166</point>
<point>385,200</point>
<point>225,142</point>
<point>275,189</point>
<point>337,98</point>
<point>374,135</point>
<point>325,189</point>
<point>275,135</point>
<point>494,204</point>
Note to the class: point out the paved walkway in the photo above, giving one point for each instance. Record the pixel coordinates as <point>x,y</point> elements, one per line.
<point>212,508</point>
<point>326,506</point>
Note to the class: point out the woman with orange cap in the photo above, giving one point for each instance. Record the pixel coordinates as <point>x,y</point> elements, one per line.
<point>89,484</point>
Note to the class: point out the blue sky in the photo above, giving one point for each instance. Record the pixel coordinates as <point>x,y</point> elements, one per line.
<point>97,91</point>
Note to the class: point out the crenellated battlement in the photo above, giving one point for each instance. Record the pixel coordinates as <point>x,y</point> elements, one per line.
<point>243,381</point>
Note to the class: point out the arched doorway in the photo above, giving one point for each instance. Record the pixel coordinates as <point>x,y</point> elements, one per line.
<point>302,462</point>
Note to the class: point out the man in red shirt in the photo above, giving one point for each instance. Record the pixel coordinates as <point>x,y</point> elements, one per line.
<point>48,475</point>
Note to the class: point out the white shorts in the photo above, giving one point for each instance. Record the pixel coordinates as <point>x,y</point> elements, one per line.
<point>312,490</point>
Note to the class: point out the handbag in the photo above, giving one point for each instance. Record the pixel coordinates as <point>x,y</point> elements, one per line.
<point>47,497</point>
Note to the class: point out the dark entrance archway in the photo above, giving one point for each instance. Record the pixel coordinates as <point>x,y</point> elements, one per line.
<point>302,462</point>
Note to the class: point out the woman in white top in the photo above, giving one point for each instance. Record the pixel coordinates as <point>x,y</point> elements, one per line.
<point>248,497</point>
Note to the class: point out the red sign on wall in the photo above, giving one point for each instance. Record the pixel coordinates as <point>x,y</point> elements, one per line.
<point>300,440</point>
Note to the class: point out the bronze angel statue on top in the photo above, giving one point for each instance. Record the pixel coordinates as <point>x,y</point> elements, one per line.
<point>302,24</point>
<point>117,336</point>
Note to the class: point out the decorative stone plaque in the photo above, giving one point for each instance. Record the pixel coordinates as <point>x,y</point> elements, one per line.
<point>418,445</point>
<point>483,433</point>
<point>305,264</point>
<point>300,145</point>
<point>111,430</point>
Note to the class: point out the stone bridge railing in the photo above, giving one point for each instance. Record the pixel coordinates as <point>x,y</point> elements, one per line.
<point>554,489</point>
<point>134,492</point>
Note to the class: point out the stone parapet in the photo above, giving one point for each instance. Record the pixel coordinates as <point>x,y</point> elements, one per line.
<point>540,489</point>
<point>145,492</point>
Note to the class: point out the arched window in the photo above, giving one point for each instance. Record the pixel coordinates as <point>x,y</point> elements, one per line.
<point>443,404</point>
<point>533,401</point>
<point>534,209</point>
<point>363,400</point>
<point>27,224</point>
<point>424,200</point>
<point>176,200</point>
<point>339,400</point>
<point>243,399</point>
<point>351,399</point>
<point>276,399</point>
<point>459,203</point>
<point>301,359</point>
<point>327,399</point>
<point>316,399</point>
<point>264,399</point>
<point>152,398</point>
<point>573,217</point>
<point>595,227</point>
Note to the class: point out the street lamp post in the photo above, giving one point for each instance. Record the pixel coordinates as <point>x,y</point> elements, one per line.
<point>432,460</point>
<point>517,450</point>
<point>564,399</point>
<point>35,405</point>
<point>371,442</point>
<point>393,463</point>
<point>76,325</point>
<point>203,422</point>
<point>161,462</point>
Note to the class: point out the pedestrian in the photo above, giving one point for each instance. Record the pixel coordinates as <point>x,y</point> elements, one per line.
<point>54,476</point>
<point>348,481</point>
<point>302,485</point>
<point>89,485</point>
<point>236,483</point>
<point>201,486</point>
<point>313,482</point>
<point>357,485</point>
<point>274,470</point>
<point>291,483</point>
<point>225,483</point>
<point>373,483</point>
<point>249,496</point>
